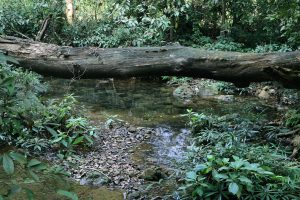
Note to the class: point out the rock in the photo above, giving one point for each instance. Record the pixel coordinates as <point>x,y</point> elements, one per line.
<point>266,92</point>
<point>272,92</point>
<point>183,91</point>
<point>95,179</point>
<point>153,174</point>
<point>134,195</point>
<point>132,129</point>
<point>226,98</point>
<point>263,94</point>
<point>147,136</point>
<point>130,151</point>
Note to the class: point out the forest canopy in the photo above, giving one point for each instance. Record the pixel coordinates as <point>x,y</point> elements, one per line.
<point>235,25</point>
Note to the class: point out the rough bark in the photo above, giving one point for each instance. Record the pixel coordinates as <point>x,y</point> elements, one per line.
<point>69,11</point>
<point>71,62</point>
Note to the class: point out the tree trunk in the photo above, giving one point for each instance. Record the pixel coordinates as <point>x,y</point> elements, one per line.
<point>91,62</point>
<point>223,19</point>
<point>69,11</point>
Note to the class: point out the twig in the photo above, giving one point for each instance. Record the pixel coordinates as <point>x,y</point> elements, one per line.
<point>43,29</point>
<point>25,36</point>
<point>288,133</point>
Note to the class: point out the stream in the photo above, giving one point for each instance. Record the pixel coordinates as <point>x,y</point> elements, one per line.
<point>150,104</point>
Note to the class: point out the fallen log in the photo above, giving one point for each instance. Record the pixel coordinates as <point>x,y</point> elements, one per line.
<point>91,62</point>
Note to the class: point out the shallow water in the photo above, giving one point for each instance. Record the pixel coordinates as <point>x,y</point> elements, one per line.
<point>152,104</point>
<point>145,103</point>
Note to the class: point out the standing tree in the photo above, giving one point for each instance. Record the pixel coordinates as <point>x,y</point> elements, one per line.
<point>69,11</point>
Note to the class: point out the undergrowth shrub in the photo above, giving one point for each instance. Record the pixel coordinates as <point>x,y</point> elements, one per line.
<point>292,118</point>
<point>237,178</point>
<point>272,48</point>
<point>227,163</point>
<point>225,44</point>
<point>21,173</point>
<point>32,124</point>
<point>35,126</point>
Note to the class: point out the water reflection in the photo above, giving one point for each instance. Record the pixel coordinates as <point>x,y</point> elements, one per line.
<point>145,103</point>
<point>151,103</point>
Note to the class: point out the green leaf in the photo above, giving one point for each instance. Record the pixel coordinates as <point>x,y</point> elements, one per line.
<point>198,192</point>
<point>244,179</point>
<point>1,197</point>
<point>8,81</point>
<point>60,156</point>
<point>210,157</point>
<point>33,175</point>
<point>225,160</point>
<point>14,189</point>
<point>57,140</point>
<point>39,167</point>
<point>218,177</point>
<point>10,89</point>
<point>52,131</point>
<point>191,175</point>
<point>237,164</point>
<point>7,59</point>
<point>200,167</point>
<point>18,157</point>
<point>233,188</point>
<point>8,164</point>
<point>64,142</point>
<point>78,140</point>
<point>68,194</point>
<point>33,162</point>
<point>223,168</point>
<point>89,139</point>
<point>29,193</point>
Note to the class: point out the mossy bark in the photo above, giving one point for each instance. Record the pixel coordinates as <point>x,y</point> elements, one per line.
<point>91,62</point>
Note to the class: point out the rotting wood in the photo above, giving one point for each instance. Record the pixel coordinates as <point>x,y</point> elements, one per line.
<point>92,62</point>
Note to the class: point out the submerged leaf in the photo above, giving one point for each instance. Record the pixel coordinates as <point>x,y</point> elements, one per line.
<point>18,157</point>
<point>68,194</point>
<point>33,162</point>
<point>8,164</point>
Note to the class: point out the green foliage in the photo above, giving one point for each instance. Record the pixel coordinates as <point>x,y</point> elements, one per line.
<point>229,88</point>
<point>70,195</point>
<point>292,118</point>
<point>198,121</point>
<point>34,125</point>
<point>21,18</point>
<point>232,178</point>
<point>234,167</point>
<point>113,23</point>
<point>118,28</point>
<point>272,48</point>
<point>174,80</point>
<point>13,163</point>
<point>28,122</point>
<point>225,44</point>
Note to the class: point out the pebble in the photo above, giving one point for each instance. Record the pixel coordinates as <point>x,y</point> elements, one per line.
<point>112,157</point>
